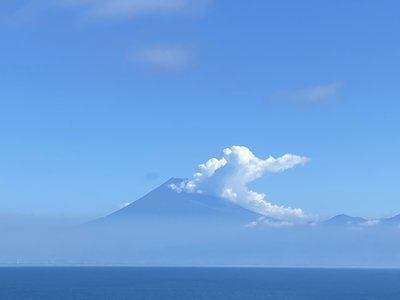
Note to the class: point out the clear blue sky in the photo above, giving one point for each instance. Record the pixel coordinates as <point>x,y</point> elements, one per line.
<point>100,102</point>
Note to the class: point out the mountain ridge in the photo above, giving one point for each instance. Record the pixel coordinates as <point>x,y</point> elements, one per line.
<point>165,204</point>
<point>347,220</point>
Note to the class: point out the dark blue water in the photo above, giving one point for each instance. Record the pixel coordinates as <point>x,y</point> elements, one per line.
<point>197,283</point>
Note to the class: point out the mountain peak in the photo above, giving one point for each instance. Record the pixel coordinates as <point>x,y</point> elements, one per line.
<point>173,180</point>
<point>163,204</point>
<point>344,219</point>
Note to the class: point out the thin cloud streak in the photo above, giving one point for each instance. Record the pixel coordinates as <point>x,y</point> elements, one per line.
<point>314,95</point>
<point>165,57</point>
<point>30,10</point>
<point>117,9</point>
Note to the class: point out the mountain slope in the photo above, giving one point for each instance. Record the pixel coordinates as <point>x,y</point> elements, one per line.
<point>395,220</point>
<point>342,220</point>
<point>166,205</point>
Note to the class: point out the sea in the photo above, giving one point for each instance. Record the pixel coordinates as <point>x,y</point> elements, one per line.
<point>154,283</point>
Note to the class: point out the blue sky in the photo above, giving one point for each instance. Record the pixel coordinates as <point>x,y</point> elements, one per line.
<point>103,100</point>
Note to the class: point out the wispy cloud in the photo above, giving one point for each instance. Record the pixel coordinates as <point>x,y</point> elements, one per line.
<point>24,12</point>
<point>268,222</point>
<point>313,95</point>
<point>124,204</point>
<point>111,9</point>
<point>32,10</point>
<point>165,57</point>
<point>159,57</point>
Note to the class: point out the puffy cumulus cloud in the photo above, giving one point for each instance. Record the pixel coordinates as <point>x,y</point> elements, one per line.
<point>229,176</point>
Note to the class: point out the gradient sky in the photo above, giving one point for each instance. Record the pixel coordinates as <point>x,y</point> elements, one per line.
<point>104,100</point>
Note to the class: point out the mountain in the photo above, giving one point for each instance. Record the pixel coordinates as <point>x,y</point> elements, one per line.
<point>391,221</point>
<point>344,220</point>
<point>166,206</point>
<point>166,228</point>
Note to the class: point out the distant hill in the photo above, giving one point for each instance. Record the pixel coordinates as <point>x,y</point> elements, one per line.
<point>391,221</point>
<point>343,219</point>
<point>346,220</point>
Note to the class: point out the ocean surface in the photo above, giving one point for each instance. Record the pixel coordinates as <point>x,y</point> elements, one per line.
<point>197,283</point>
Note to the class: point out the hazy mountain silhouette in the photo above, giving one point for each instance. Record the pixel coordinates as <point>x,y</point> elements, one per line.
<point>395,220</point>
<point>343,219</point>
<point>164,205</point>
<point>168,228</point>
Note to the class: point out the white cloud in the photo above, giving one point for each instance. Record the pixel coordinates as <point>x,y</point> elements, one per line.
<point>165,57</point>
<point>317,94</point>
<point>111,9</point>
<point>267,222</point>
<point>29,10</point>
<point>370,223</point>
<point>123,205</point>
<point>229,176</point>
